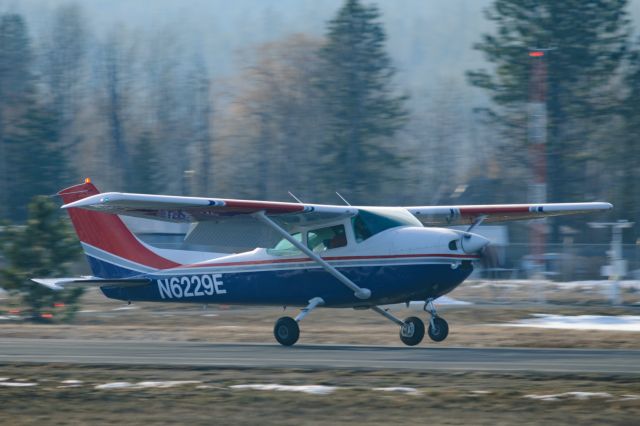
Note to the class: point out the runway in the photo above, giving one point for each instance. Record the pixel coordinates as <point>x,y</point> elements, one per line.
<point>136,353</point>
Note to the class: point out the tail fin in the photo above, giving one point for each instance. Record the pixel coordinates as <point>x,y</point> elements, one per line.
<point>113,251</point>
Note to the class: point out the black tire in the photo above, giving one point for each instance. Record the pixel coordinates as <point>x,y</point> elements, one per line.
<point>286,331</point>
<point>438,329</point>
<point>412,332</point>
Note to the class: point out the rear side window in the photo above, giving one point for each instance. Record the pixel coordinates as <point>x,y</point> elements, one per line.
<point>330,237</point>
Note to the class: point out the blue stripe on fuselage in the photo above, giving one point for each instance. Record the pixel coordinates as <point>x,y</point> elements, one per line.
<point>103,269</point>
<point>389,284</point>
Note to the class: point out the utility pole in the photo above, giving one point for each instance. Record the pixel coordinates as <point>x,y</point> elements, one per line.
<point>537,139</point>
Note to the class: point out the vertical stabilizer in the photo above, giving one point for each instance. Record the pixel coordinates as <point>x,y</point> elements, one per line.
<point>113,251</point>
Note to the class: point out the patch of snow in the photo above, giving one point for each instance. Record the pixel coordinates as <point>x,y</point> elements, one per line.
<point>581,322</point>
<point>418,305</point>
<point>125,308</point>
<point>631,284</point>
<point>144,385</point>
<point>115,385</point>
<point>405,390</point>
<point>210,315</point>
<point>167,383</point>
<point>629,397</point>
<point>71,383</point>
<point>17,384</point>
<point>310,389</point>
<point>481,392</point>
<point>446,300</point>
<point>569,395</point>
<point>9,317</point>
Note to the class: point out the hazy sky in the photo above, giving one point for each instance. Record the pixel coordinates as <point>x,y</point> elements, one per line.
<point>433,36</point>
<point>429,40</point>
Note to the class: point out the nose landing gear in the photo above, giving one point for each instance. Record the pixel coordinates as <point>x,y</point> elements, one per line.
<point>438,328</point>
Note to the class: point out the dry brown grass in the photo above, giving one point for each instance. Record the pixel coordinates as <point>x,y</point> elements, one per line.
<point>442,398</point>
<point>477,325</point>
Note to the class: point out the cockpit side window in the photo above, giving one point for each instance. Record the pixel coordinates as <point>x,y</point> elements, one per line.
<point>330,237</point>
<point>284,247</point>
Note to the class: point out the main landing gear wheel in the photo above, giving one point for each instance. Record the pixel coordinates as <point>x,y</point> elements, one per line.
<point>286,331</point>
<point>412,332</point>
<point>438,329</point>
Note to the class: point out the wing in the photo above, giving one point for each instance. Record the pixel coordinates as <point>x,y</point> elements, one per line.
<point>196,209</point>
<point>464,215</point>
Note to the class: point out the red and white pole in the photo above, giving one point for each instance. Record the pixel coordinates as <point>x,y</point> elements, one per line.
<point>537,138</point>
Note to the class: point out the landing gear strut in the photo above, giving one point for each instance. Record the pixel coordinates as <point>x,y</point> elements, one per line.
<point>411,329</point>
<point>438,328</point>
<point>286,331</point>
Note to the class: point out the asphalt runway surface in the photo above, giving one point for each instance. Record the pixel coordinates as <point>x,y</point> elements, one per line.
<point>201,354</point>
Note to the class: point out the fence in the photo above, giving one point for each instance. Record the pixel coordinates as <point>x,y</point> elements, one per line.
<point>559,262</point>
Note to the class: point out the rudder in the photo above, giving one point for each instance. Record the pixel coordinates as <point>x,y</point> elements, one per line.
<point>111,248</point>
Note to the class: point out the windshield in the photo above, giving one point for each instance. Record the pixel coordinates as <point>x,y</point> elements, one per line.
<point>371,221</point>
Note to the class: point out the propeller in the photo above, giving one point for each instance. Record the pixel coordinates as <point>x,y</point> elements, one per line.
<point>472,243</point>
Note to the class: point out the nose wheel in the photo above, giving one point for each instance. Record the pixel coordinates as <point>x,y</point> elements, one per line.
<point>438,328</point>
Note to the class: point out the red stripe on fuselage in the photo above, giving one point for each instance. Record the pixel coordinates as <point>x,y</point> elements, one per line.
<point>337,258</point>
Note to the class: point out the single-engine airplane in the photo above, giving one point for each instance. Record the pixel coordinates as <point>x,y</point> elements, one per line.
<point>307,255</point>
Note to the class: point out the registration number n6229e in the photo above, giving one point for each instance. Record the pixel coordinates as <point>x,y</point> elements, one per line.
<point>191,286</point>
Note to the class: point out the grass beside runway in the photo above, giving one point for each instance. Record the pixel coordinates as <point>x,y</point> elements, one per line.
<point>70,394</point>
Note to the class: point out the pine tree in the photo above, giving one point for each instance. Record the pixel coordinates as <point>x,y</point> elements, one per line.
<point>626,159</point>
<point>39,159</point>
<point>146,176</point>
<point>44,248</point>
<point>589,41</point>
<point>17,90</point>
<point>364,111</point>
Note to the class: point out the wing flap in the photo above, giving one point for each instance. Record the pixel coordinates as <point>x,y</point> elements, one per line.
<point>465,215</point>
<point>195,209</point>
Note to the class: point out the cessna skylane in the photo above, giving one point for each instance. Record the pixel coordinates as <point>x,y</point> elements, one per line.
<point>302,255</point>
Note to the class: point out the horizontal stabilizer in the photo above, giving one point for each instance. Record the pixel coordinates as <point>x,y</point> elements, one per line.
<point>62,283</point>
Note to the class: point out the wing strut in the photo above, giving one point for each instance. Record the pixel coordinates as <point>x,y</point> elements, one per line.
<point>359,292</point>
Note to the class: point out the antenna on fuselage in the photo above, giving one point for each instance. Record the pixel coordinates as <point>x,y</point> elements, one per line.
<point>295,198</point>
<point>342,198</point>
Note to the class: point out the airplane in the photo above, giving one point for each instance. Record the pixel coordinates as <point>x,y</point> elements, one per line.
<point>288,254</point>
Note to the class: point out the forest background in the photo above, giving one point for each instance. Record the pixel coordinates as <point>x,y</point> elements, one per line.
<point>255,100</point>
